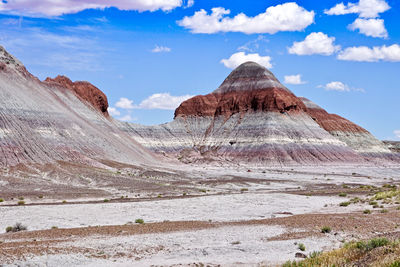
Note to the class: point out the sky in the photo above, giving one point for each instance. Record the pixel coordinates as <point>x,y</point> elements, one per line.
<point>149,56</point>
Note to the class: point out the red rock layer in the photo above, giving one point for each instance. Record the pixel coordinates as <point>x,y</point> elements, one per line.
<point>85,91</point>
<point>331,122</point>
<point>249,88</point>
<point>227,104</point>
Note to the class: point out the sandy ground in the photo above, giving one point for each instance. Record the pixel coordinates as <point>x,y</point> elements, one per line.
<point>215,216</point>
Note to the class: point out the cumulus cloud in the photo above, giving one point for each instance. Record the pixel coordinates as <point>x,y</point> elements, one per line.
<point>124,103</point>
<point>339,86</point>
<point>374,54</point>
<point>293,79</point>
<point>160,49</point>
<point>162,101</point>
<point>241,57</point>
<point>57,8</point>
<point>284,17</point>
<point>336,86</point>
<point>364,8</point>
<point>127,117</point>
<point>370,27</point>
<point>113,111</point>
<point>397,133</point>
<point>315,43</point>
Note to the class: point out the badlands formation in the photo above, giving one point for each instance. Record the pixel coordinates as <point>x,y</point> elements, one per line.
<point>241,177</point>
<point>252,117</point>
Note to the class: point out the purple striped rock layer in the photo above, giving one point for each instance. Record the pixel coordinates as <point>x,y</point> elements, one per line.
<point>43,122</point>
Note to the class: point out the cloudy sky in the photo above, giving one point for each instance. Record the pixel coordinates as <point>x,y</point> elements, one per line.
<point>148,56</point>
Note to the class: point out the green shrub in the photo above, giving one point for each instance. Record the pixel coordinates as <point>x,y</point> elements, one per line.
<point>326,229</point>
<point>378,242</point>
<point>21,202</point>
<point>1,200</point>
<point>314,254</point>
<point>344,204</point>
<point>21,198</point>
<point>394,264</point>
<point>106,200</point>
<point>342,195</point>
<point>40,196</point>
<point>302,247</point>
<point>367,211</point>
<point>139,221</point>
<point>16,228</point>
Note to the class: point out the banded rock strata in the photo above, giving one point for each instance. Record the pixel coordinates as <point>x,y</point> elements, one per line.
<point>57,120</point>
<point>253,117</point>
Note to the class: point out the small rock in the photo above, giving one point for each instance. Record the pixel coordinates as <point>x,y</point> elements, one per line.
<point>300,255</point>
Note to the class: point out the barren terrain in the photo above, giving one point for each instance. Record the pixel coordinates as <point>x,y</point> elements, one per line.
<point>192,216</point>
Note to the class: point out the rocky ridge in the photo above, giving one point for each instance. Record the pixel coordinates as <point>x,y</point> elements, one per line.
<point>46,122</point>
<point>252,117</point>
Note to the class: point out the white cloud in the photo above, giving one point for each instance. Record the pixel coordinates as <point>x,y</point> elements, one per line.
<point>253,45</point>
<point>340,87</point>
<point>374,54</point>
<point>57,8</point>
<point>285,17</point>
<point>397,133</point>
<point>336,86</point>
<point>124,103</point>
<point>315,43</point>
<point>189,3</point>
<point>160,49</point>
<point>240,57</point>
<point>127,117</point>
<point>162,101</point>
<point>294,79</point>
<point>113,111</point>
<point>370,27</point>
<point>365,8</point>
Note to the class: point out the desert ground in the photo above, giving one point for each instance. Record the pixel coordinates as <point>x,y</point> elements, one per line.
<point>184,215</point>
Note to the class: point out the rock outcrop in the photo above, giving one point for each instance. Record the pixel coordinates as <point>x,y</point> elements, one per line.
<point>394,146</point>
<point>253,117</point>
<point>46,122</point>
<point>84,90</point>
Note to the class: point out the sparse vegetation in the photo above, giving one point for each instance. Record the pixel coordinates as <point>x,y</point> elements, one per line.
<point>342,195</point>
<point>302,247</point>
<point>21,198</point>
<point>21,202</point>
<point>354,252</point>
<point>203,190</point>
<point>367,211</point>
<point>40,196</point>
<point>139,221</point>
<point>54,227</point>
<point>16,228</point>
<point>344,204</point>
<point>244,190</point>
<point>326,229</point>
<point>64,201</point>
<point>1,200</point>
<point>106,200</point>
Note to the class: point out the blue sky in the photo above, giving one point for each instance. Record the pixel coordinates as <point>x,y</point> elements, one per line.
<point>148,57</point>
